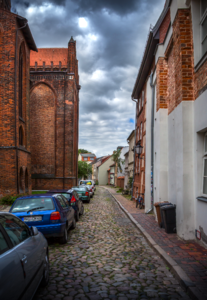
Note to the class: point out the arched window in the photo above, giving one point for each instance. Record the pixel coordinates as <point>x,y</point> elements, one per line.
<point>21,136</point>
<point>20,83</point>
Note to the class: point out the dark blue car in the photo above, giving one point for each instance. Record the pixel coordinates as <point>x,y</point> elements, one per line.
<point>51,214</point>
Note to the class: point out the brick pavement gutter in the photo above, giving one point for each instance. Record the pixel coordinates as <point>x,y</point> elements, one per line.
<point>179,273</point>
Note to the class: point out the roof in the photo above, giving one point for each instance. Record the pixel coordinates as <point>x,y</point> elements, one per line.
<point>104,160</point>
<point>47,55</point>
<point>87,154</point>
<point>131,134</point>
<point>27,33</point>
<point>112,165</point>
<point>126,153</point>
<point>108,170</point>
<point>148,57</point>
<point>97,159</point>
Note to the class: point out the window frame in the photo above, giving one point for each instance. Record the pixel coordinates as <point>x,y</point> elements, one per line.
<point>204,158</point>
<point>7,240</point>
<point>21,76</point>
<point>203,18</point>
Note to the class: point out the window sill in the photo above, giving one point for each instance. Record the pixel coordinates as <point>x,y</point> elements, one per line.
<point>202,198</point>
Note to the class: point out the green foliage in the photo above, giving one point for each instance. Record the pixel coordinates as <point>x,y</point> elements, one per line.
<point>9,199</point>
<point>38,192</point>
<point>116,158</point>
<point>84,169</point>
<point>82,151</point>
<point>96,182</point>
<point>130,181</point>
<point>120,190</point>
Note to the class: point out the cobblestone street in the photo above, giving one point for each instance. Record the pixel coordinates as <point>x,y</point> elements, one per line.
<point>106,257</point>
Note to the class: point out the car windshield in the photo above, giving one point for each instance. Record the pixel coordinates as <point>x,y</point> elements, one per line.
<point>85,182</point>
<point>33,204</point>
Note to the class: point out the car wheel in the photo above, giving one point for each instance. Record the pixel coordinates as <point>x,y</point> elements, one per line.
<point>73,224</point>
<point>82,210</point>
<point>64,238</point>
<point>46,276</point>
<point>77,216</point>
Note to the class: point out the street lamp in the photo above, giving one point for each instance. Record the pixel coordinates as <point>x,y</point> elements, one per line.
<point>138,149</point>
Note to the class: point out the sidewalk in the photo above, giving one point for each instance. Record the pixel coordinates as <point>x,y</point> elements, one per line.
<point>180,255</point>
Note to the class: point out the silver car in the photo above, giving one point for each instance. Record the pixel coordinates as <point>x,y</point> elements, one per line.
<point>24,260</point>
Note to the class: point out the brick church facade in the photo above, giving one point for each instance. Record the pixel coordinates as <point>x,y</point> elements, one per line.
<point>39,108</point>
<point>54,105</point>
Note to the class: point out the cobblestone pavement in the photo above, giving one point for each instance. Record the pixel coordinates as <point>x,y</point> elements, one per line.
<point>106,257</point>
<point>189,255</point>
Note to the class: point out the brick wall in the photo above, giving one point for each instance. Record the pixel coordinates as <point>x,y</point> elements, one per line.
<point>13,156</point>
<point>164,27</point>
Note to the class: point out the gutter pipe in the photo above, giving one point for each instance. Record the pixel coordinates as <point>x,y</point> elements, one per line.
<point>15,105</point>
<point>135,134</point>
<point>152,142</point>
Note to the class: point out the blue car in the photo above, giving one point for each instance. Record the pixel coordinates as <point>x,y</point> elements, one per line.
<point>51,214</point>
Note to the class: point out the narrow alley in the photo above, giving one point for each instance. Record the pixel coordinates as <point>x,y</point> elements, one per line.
<point>106,257</point>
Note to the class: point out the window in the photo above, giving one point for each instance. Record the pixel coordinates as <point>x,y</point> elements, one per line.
<point>15,228</point>
<point>21,136</point>
<point>3,244</point>
<point>204,26</point>
<point>62,202</point>
<point>20,83</point>
<point>138,134</point>
<point>142,98</point>
<point>140,131</point>
<point>205,167</point>
<point>139,104</point>
<point>92,158</point>
<point>85,158</point>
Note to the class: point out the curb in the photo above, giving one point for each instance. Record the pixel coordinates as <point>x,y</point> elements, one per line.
<point>180,275</point>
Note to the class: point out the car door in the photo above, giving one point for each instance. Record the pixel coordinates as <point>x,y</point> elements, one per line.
<point>29,251</point>
<point>12,281</point>
<point>71,211</point>
<point>65,210</point>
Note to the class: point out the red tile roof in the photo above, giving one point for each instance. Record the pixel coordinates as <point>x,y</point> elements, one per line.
<point>47,55</point>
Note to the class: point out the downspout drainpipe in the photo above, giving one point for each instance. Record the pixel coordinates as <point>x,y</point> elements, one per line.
<point>152,141</point>
<point>64,139</point>
<point>15,105</point>
<point>135,134</point>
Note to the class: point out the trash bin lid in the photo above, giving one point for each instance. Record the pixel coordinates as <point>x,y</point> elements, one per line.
<point>164,204</point>
<point>166,207</point>
<point>158,203</point>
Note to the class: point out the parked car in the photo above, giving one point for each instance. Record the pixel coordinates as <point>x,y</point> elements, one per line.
<point>51,214</point>
<point>24,259</point>
<point>73,200</point>
<point>90,189</point>
<point>82,192</point>
<point>89,183</point>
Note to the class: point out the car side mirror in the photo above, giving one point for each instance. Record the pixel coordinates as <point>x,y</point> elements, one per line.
<point>34,230</point>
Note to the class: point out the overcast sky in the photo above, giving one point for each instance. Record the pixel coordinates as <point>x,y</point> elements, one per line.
<point>110,38</point>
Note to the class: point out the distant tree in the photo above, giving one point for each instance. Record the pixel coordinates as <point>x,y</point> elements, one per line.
<point>117,159</point>
<point>82,151</point>
<point>84,169</point>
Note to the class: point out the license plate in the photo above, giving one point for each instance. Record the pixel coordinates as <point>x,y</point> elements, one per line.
<point>32,219</point>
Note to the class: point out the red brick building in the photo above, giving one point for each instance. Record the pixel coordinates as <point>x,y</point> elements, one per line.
<point>16,41</point>
<point>54,115</point>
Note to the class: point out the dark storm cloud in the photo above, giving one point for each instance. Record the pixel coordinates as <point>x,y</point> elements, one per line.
<point>28,3</point>
<point>109,48</point>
